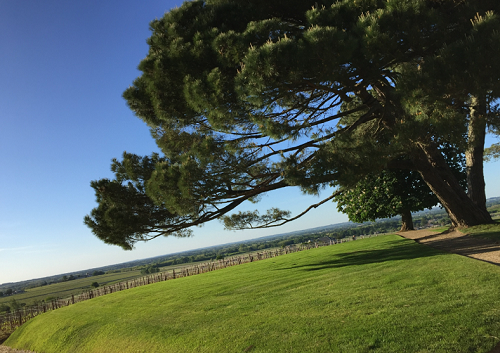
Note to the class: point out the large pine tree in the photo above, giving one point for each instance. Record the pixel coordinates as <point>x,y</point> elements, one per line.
<point>246,97</point>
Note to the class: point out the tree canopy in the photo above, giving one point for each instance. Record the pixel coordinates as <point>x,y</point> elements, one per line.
<point>244,98</point>
<point>386,195</point>
<point>394,192</point>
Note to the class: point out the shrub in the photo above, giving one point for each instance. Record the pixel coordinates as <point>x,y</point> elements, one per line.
<point>150,269</point>
<point>4,308</point>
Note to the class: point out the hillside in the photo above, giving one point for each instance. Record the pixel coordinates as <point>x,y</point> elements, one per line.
<point>385,294</point>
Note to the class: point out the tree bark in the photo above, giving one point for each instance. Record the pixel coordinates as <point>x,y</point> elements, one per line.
<point>406,221</point>
<point>431,165</point>
<point>475,151</point>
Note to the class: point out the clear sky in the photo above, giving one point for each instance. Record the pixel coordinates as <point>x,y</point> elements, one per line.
<point>63,68</point>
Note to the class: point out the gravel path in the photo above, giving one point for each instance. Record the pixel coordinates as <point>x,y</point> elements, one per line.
<point>458,243</point>
<point>5,349</point>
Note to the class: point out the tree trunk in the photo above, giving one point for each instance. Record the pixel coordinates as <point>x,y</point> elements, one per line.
<point>431,165</point>
<point>475,151</point>
<point>406,221</point>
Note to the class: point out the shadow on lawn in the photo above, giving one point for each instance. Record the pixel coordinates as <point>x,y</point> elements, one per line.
<point>396,251</point>
<point>492,235</point>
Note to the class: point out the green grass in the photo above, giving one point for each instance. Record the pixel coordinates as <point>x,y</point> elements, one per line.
<point>439,229</point>
<point>77,286</point>
<point>384,294</point>
<point>494,211</point>
<point>491,231</point>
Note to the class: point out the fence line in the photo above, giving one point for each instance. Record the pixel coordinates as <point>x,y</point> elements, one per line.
<point>19,317</point>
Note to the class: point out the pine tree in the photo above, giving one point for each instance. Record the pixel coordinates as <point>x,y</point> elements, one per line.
<point>244,98</point>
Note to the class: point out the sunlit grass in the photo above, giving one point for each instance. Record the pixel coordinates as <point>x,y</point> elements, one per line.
<point>384,294</point>
<point>491,231</point>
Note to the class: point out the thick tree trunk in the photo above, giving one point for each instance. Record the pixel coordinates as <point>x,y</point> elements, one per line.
<point>431,165</point>
<point>406,221</point>
<point>475,152</point>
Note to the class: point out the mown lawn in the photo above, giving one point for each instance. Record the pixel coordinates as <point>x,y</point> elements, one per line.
<point>490,231</point>
<point>384,294</point>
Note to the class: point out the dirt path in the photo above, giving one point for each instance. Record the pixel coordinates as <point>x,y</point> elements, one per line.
<point>458,243</point>
<point>5,349</point>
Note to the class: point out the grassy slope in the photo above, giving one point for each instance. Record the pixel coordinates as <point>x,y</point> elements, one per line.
<point>384,294</point>
<point>491,231</point>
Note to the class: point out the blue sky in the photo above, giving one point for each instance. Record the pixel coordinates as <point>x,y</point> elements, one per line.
<point>63,68</point>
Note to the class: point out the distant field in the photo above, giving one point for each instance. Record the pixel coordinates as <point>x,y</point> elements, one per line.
<point>384,294</point>
<point>77,286</point>
<point>495,211</point>
<point>66,289</point>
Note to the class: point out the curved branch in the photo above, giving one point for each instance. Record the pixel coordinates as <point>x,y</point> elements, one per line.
<point>271,224</point>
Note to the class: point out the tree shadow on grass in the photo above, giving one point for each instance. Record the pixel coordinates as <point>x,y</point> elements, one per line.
<point>395,251</point>
<point>492,235</point>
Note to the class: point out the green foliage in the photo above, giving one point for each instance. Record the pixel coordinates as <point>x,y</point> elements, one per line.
<point>393,192</point>
<point>97,273</point>
<point>385,195</point>
<point>492,152</point>
<point>14,305</point>
<point>4,308</point>
<point>250,218</point>
<point>150,269</point>
<point>125,214</point>
<point>286,242</point>
<point>353,297</point>
<point>8,291</point>
<point>65,278</point>
<point>244,98</point>
<point>94,284</point>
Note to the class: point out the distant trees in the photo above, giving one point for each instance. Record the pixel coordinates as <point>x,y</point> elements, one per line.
<point>67,278</point>
<point>97,273</point>
<point>94,284</point>
<point>8,291</point>
<point>150,269</point>
<point>14,305</point>
<point>4,308</point>
<point>286,242</point>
